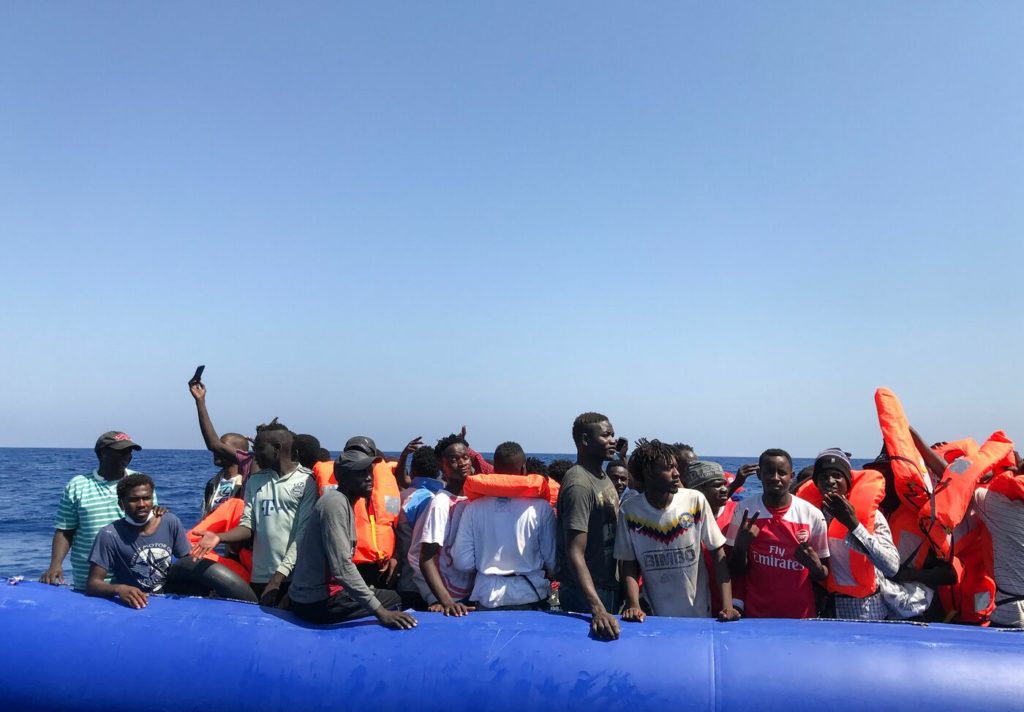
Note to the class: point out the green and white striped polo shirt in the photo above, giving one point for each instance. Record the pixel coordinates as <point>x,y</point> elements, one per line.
<point>88,504</point>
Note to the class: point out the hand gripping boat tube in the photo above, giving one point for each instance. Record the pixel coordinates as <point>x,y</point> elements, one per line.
<point>65,651</point>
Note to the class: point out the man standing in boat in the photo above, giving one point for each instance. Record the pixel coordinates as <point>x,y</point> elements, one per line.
<point>88,504</point>
<point>588,508</point>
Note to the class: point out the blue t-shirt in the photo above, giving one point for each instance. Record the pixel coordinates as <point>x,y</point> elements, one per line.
<point>137,560</point>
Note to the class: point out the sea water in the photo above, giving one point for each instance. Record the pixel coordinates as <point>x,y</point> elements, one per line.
<point>33,479</point>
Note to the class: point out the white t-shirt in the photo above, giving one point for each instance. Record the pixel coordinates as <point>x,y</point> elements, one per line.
<point>439,525</point>
<point>666,543</point>
<point>508,542</point>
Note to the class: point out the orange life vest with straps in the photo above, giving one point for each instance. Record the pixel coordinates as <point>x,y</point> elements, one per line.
<point>867,491</point>
<point>954,490</point>
<point>375,516</point>
<point>529,486</point>
<point>973,598</point>
<point>913,484</point>
<point>910,541</point>
<point>226,516</point>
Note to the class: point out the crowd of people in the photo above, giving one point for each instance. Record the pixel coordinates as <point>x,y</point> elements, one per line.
<point>620,534</point>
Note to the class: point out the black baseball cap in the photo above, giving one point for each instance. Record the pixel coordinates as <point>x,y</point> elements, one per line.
<point>117,440</point>
<point>364,444</point>
<point>352,461</point>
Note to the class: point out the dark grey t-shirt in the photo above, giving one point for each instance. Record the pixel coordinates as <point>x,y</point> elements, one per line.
<point>325,554</point>
<point>588,503</point>
<point>137,560</point>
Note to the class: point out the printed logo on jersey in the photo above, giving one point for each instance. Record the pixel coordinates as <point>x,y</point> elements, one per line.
<point>664,533</point>
<point>669,559</point>
<point>149,565</point>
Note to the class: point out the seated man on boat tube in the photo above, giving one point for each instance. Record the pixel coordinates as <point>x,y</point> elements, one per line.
<point>278,500</point>
<point>135,550</point>
<point>326,585</point>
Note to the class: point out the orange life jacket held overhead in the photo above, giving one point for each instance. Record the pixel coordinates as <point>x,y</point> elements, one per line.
<point>225,517</point>
<point>866,492</point>
<point>913,484</point>
<point>376,516</point>
<point>529,486</point>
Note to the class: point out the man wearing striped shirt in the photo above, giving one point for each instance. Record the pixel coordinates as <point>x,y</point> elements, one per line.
<point>88,504</point>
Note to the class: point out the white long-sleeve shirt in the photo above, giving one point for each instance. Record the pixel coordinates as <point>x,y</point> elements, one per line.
<point>508,542</point>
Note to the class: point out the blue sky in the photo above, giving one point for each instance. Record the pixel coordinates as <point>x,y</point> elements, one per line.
<point>719,224</point>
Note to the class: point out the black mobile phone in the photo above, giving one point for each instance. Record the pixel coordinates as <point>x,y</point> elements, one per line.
<point>198,376</point>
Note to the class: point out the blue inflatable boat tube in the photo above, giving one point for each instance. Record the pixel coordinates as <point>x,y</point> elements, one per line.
<point>61,650</point>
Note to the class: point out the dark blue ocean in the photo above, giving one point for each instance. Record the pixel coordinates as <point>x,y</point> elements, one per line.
<point>34,479</point>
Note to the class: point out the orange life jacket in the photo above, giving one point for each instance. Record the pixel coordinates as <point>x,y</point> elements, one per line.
<point>375,516</point>
<point>954,490</point>
<point>529,486</point>
<point>973,598</point>
<point>911,542</point>
<point>867,491</point>
<point>913,484</point>
<point>1009,485</point>
<point>225,517</point>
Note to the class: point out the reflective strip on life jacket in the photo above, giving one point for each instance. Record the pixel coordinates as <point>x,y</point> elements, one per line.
<point>973,598</point>
<point>867,491</point>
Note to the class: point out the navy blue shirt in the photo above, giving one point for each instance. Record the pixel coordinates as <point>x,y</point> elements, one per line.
<point>137,560</point>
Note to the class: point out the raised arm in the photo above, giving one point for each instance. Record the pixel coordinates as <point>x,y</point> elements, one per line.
<point>210,437</point>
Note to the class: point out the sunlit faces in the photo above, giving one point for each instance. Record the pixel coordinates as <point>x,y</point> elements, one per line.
<point>455,462</point>
<point>598,440</point>
<point>775,473</point>
<point>137,502</point>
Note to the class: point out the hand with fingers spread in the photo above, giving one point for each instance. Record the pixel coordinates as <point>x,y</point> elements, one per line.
<point>396,620</point>
<point>132,597</point>
<point>634,615</point>
<point>841,509</point>
<point>208,541</point>
<point>748,530</point>
<point>411,447</point>
<point>452,608</point>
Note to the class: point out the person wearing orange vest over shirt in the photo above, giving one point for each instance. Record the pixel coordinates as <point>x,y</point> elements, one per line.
<point>1001,508</point>
<point>376,516</point>
<point>833,480</point>
<point>779,545</point>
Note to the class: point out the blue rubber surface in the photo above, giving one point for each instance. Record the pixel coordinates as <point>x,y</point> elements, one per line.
<point>64,651</point>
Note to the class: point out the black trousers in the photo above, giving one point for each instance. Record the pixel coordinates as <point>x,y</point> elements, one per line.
<point>340,607</point>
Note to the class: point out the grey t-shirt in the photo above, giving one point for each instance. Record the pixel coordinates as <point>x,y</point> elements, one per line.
<point>139,560</point>
<point>588,503</point>
<point>325,554</point>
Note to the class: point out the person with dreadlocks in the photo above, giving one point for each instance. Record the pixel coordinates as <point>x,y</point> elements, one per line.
<point>278,502</point>
<point>660,536</point>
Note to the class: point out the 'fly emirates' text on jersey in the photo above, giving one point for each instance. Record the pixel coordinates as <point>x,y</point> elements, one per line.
<point>776,585</point>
